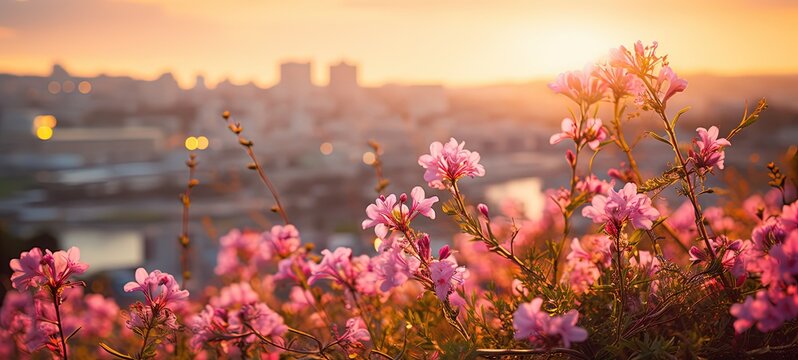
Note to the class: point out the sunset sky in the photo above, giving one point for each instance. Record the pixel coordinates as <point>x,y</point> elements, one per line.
<point>451,41</point>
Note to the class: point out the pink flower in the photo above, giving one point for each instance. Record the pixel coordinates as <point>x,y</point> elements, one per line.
<point>591,185</point>
<point>159,288</point>
<point>33,268</point>
<point>675,84</point>
<point>210,324</point>
<point>580,86</point>
<point>386,214</point>
<point>263,319</point>
<point>710,150</point>
<point>529,322</point>
<point>393,267</point>
<point>27,269</point>
<point>620,81</point>
<point>565,327</point>
<point>446,275</point>
<point>448,162</point>
<point>538,327</point>
<point>592,133</point>
<point>617,208</point>
<point>241,252</point>
<point>640,63</point>
<point>789,216</point>
<point>236,294</point>
<point>356,332</point>
<point>336,266</point>
<point>284,239</point>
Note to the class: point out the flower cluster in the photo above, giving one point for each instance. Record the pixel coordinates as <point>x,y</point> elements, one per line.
<point>533,324</point>
<point>709,150</point>
<point>446,163</point>
<point>386,214</point>
<point>620,207</point>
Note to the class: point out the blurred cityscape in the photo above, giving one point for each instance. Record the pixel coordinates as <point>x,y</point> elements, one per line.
<point>99,162</point>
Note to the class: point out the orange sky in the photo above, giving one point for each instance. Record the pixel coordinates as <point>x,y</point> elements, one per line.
<point>450,41</point>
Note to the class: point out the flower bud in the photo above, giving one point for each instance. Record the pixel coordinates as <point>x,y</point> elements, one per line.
<point>424,247</point>
<point>402,198</point>
<point>571,157</point>
<point>483,209</point>
<point>444,252</point>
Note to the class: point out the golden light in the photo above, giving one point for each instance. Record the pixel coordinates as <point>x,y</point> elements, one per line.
<point>68,86</point>
<point>326,148</point>
<point>369,158</point>
<point>84,87</point>
<point>54,87</point>
<point>44,120</point>
<point>44,132</point>
<point>191,143</point>
<point>202,143</point>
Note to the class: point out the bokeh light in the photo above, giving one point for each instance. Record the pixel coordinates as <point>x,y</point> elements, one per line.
<point>68,86</point>
<point>202,143</point>
<point>44,120</point>
<point>326,148</point>
<point>191,143</point>
<point>84,87</point>
<point>369,158</point>
<point>44,132</point>
<point>54,87</point>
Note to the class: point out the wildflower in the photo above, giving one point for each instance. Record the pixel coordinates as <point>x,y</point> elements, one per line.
<point>640,63</point>
<point>34,268</point>
<point>591,185</point>
<point>534,325</point>
<point>393,268</point>
<point>789,216</point>
<point>235,294</point>
<point>565,327</point>
<point>159,288</point>
<point>591,134</point>
<point>710,150</point>
<point>210,324</point>
<point>620,82</point>
<point>615,209</point>
<point>529,322</point>
<point>446,163</point>
<point>356,332</point>
<point>336,266</point>
<point>284,239</point>
<point>446,275</point>
<point>386,214</point>
<point>580,86</point>
<point>240,252</point>
<point>263,320</point>
<point>675,84</point>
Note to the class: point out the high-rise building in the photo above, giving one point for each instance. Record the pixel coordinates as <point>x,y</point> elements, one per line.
<point>295,78</point>
<point>343,77</point>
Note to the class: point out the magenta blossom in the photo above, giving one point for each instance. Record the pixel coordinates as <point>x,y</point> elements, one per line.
<point>709,150</point>
<point>159,288</point>
<point>640,63</point>
<point>394,267</point>
<point>580,86</point>
<point>33,268</point>
<point>620,82</point>
<point>284,239</point>
<point>356,332</point>
<point>593,133</point>
<point>675,84</point>
<point>538,327</point>
<point>448,162</point>
<point>446,276</point>
<point>617,208</point>
<point>386,214</point>
<point>789,216</point>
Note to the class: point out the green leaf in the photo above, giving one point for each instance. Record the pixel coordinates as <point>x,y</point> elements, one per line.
<point>678,115</point>
<point>658,137</point>
<point>113,352</point>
